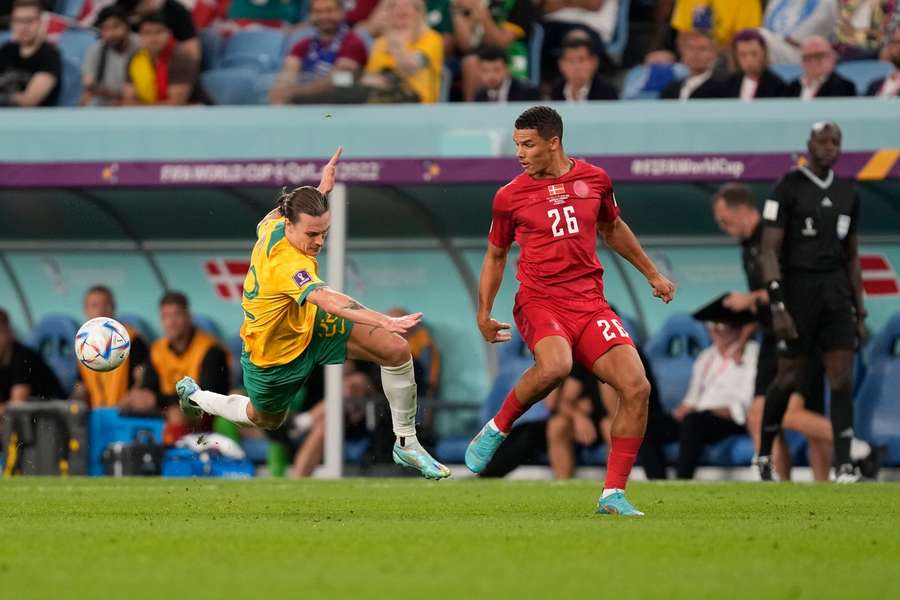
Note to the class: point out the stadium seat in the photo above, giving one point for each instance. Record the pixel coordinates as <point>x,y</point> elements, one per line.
<point>231,86</point>
<point>53,337</point>
<point>878,403</point>
<point>616,47</point>
<point>74,44</point>
<point>137,322</point>
<point>535,47</point>
<point>645,82</point>
<point>788,72</point>
<point>69,8</point>
<point>70,85</point>
<point>211,43</point>
<point>671,352</point>
<point>106,426</point>
<point>863,72</point>
<point>208,325</point>
<point>259,49</point>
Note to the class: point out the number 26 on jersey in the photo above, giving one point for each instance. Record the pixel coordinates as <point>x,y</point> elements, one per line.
<point>563,223</point>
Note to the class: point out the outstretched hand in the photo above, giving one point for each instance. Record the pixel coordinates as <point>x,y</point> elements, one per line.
<point>326,184</point>
<point>662,287</point>
<point>494,331</point>
<point>403,324</point>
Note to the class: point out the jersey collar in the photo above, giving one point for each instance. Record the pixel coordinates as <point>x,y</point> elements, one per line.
<point>822,183</point>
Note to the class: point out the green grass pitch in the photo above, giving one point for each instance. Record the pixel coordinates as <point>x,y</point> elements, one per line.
<point>407,538</point>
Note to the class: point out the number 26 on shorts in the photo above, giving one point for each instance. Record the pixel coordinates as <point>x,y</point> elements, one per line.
<point>612,329</point>
<point>571,223</point>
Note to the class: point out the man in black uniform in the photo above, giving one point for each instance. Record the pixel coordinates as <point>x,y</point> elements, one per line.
<point>735,212</point>
<point>810,264</point>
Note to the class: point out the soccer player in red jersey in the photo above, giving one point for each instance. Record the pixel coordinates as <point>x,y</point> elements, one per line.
<point>554,211</point>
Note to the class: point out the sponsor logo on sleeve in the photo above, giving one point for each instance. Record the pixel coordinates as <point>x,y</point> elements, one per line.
<point>770,210</point>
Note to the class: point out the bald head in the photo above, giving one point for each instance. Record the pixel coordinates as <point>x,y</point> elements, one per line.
<point>818,57</point>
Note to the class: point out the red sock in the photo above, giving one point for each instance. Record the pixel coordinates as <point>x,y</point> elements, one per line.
<point>509,412</point>
<point>622,454</point>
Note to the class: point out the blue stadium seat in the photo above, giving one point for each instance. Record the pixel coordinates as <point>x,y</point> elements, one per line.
<point>259,49</point>
<point>616,47</point>
<point>645,82</point>
<point>535,47</point>
<point>70,85</point>
<point>54,337</point>
<point>74,44</point>
<point>140,324</point>
<point>211,44</point>
<point>69,8</point>
<point>671,352</point>
<point>787,72</point>
<point>878,403</point>
<point>207,324</point>
<point>235,86</point>
<point>863,72</point>
<point>106,426</point>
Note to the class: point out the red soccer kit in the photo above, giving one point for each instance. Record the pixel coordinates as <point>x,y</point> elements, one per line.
<point>554,221</point>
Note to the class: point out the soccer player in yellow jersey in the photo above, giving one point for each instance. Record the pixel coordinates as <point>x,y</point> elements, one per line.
<point>293,321</point>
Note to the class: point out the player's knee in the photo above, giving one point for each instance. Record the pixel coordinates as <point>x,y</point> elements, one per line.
<point>396,352</point>
<point>636,390</point>
<point>554,370</point>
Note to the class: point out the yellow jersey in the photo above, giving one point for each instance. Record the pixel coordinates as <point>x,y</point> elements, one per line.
<point>721,19</point>
<point>278,322</point>
<point>426,82</point>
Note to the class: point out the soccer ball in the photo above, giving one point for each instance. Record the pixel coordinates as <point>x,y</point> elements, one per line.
<point>102,344</point>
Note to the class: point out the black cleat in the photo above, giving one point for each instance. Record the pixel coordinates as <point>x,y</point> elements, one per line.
<point>764,464</point>
<point>871,464</point>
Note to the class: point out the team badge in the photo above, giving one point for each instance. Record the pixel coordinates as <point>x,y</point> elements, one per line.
<point>582,190</point>
<point>301,278</point>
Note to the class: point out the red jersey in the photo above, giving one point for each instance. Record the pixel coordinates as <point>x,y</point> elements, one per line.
<point>554,221</point>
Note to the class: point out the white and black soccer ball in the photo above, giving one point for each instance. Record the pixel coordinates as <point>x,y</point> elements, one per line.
<point>102,344</point>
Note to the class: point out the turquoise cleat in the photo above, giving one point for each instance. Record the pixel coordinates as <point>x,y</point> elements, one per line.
<point>416,457</point>
<point>617,504</point>
<point>482,448</point>
<point>185,388</point>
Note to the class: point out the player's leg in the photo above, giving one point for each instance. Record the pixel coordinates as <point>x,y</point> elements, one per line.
<point>552,363</point>
<point>776,403</point>
<point>839,370</point>
<point>621,368</point>
<point>781,456</point>
<point>391,352</point>
<point>234,407</point>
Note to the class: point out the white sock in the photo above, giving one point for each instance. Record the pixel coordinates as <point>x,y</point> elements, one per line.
<point>610,492</point>
<point>399,385</point>
<point>493,426</point>
<point>233,408</point>
<point>859,449</point>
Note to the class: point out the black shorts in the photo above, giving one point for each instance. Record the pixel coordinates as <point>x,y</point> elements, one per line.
<point>822,307</point>
<point>812,383</point>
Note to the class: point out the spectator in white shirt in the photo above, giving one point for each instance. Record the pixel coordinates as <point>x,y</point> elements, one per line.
<point>698,53</point>
<point>788,23</point>
<point>719,394</point>
<point>819,79</point>
<point>889,87</point>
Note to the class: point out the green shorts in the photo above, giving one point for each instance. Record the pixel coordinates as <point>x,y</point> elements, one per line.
<point>276,390</point>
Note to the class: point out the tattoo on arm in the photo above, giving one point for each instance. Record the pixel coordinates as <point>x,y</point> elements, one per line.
<point>354,305</point>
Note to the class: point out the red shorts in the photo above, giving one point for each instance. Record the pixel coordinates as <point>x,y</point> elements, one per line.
<point>591,328</point>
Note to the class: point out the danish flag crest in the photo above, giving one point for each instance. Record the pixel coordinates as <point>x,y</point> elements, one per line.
<point>556,189</point>
<point>227,277</point>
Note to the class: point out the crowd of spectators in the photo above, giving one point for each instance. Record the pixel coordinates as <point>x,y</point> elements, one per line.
<point>153,52</point>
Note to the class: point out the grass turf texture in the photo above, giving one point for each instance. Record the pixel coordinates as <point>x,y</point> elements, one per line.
<point>388,538</point>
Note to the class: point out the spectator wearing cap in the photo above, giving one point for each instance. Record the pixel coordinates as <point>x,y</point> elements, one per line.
<point>162,72</point>
<point>497,84</point>
<point>698,53</point>
<point>579,64</point>
<point>753,79</point>
<point>106,62</point>
<point>819,79</point>
<point>719,393</point>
